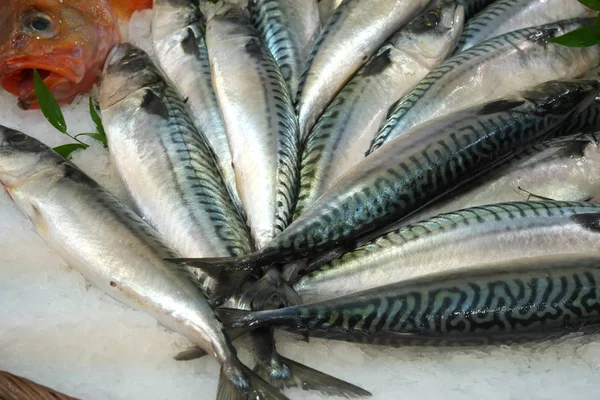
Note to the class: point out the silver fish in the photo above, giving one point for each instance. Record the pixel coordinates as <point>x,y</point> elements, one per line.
<point>260,122</point>
<point>472,7</point>
<point>167,166</point>
<point>459,240</point>
<point>509,15</point>
<point>343,134</point>
<point>523,299</point>
<point>326,8</point>
<point>178,40</point>
<point>289,28</point>
<point>492,69</point>
<point>353,34</point>
<point>116,251</point>
<point>416,169</point>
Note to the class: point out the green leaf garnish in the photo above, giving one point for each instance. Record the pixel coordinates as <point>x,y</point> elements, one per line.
<point>593,4</point>
<point>66,149</point>
<point>185,100</point>
<point>101,135</point>
<point>48,104</point>
<point>582,37</point>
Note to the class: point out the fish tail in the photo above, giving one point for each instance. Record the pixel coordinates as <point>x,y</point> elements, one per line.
<point>282,372</point>
<point>238,382</point>
<point>270,291</point>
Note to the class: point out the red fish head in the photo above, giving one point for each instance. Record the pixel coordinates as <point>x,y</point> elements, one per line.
<point>65,40</point>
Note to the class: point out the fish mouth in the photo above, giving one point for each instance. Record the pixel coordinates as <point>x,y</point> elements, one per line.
<point>17,79</point>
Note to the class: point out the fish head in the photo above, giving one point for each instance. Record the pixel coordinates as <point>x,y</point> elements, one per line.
<point>22,157</point>
<point>127,70</point>
<point>562,97</point>
<point>66,41</point>
<point>432,36</point>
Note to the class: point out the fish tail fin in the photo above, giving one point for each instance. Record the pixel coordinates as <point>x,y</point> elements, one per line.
<point>270,290</point>
<point>242,384</point>
<point>282,372</point>
<point>227,285</point>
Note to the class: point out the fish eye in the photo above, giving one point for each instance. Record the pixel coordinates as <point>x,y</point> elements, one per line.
<point>17,137</point>
<point>40,24</point>
<point>431,19</point>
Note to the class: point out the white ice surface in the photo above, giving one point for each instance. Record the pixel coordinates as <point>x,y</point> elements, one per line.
<point>61,333</point>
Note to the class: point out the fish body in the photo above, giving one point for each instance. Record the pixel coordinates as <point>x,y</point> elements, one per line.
<point>260,122</point>
<point>472,7</point>
<point>112,247</point>
<point>342,136</point>
<point>492,69</point>
<point>178,40</point>
<point>66,41</point>
<point>459,240</point>
<point>168,168</point>
<point>510,15</point>
<point>289,29</point>
<point>352,35</point>
<point>326,8</point>
<point>525,299</point>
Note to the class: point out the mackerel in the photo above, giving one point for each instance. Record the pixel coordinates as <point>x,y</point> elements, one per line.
<point>260,122</point>
<point>472,7</point>
<point>352,35</point>
<point>459,240</point>
<point>178,39</point>
<point>525,299</point>
<point>419,167</point>
<point>117,251</point>
<point>343,134</point>
<point>488,71</point>
<point>289,28</point>
<point>509,15</point>
<point>326,8</point>
<point>167,165</point>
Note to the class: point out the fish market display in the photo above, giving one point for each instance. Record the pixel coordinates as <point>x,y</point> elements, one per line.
<point>167,166</point>
<point>488,71</point>
<point>525,299</point>
<point>65,40</point>
<point>385,171</point>
<point>354,32</point>
<point>289,29</point>
<point>459,240</point>
<point>509,15</point>
<point>417,168</point>
<point>115,250</point>
<point>260,122</point>
<point>178,40</point>
<point>343,134</point>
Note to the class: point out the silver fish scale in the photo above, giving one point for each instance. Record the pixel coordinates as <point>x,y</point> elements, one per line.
<point>409,101</point>
<point>472,7</point>
<point>201,182</point>
<point>456,219</point>
<point>558,295</point>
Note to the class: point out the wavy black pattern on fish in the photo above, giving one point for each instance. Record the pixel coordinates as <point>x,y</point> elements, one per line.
<point>319,146</point>
<point>487,48</point>
<point>268,18</point>
<point>288,146</point>
<point>474,6</point>
<point>492,16</point>
<point>427,171</point>
<point>463,218</point>
<point>451,307</point>
<point>331,25</point>
<point>587,121</point>
<point>202,188</point>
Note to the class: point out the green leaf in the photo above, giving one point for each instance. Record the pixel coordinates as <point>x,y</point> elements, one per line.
<point>185,100</point>
<point>48,104</point>
<point>98,136</point>
<point>66,149</point>
<point>593,4</point>
<point>101,135</point>
<point>582,37</point>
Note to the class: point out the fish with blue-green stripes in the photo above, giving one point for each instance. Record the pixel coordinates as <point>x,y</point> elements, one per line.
<point>472,7</point>
<point>459,240</point>
<point>343,134</point>
<point>289,29</point>
<point>509,15</point>
<point>168,167</point>
<point>415,170</point>
<point>488,71</point>
<point>523,299</point>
